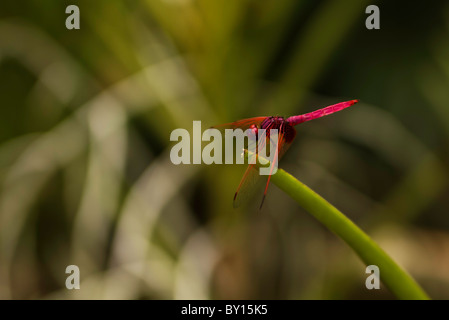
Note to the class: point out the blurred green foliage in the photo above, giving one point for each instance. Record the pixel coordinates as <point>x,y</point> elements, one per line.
<point>86,116</point>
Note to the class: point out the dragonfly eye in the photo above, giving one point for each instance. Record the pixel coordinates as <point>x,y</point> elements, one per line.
<point>254,129</point>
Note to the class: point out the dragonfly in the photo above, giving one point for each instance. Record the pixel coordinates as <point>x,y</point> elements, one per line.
<point>286,135</point>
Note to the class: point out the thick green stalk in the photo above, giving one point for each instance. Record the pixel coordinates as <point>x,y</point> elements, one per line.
<point>391,274</point>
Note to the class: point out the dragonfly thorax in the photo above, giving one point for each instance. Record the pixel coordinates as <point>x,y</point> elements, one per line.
<point>282,125</point>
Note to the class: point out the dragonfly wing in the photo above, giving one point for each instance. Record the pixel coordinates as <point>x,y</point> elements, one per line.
<point>242,124</point>
<point>280,147</point>
<point>251,181</point>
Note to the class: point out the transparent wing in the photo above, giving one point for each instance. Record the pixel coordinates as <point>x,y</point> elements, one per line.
<point>280,147</point>
<point>252,179</point>
<point>250,183</point>
<point>242,124</point>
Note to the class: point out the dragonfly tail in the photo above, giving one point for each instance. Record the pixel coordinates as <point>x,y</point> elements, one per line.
<point>295,120</point>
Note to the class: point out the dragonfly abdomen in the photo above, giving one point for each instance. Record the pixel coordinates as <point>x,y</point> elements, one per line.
<point>295,120</point>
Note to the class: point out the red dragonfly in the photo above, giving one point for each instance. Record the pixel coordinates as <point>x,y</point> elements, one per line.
<point>286,135</point>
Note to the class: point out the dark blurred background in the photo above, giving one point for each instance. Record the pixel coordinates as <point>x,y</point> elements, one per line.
<point>85,170</point>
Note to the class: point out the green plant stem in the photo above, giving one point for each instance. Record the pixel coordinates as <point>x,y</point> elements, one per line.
<point>391,274</point>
